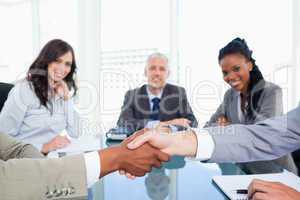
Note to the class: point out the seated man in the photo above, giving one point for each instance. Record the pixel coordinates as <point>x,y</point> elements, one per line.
<point>156,102</point>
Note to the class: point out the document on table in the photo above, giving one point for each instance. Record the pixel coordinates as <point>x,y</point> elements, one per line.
<point>81,144</point>
<point>230,184</point>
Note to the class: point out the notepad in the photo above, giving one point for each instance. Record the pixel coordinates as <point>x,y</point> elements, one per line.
<point>230,183</point>
<point>81,144</point>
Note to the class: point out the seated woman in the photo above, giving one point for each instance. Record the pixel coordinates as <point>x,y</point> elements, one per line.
<point>249,100</point>
<point>39,108</point>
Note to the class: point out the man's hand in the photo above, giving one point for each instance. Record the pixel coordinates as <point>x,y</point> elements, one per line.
<point>223,121</point>
<point>136,162</point>
<point>179,122</point>
<point>182,144</point>
<point>163,127</point>
<point>264,190</point>
<point>57,142</point>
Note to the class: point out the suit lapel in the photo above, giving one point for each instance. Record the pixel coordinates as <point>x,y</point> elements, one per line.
<point>165,91</point>
<point>143,101</point>
<point>234,107</point>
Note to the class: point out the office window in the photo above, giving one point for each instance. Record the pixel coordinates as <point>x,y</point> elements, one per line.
<point>206,26</point>
<point>130,32</point>
<point>59,19</point>
<point>16,49</point>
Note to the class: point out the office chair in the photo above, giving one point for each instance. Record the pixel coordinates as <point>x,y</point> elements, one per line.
<point>296,156</point>
<point>4,90</point>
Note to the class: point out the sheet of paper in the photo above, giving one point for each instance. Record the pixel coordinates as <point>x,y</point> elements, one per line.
<point>229,184</point>
<point>82,144</point>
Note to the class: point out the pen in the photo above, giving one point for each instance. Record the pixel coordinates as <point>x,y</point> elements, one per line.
<point>242,191</point>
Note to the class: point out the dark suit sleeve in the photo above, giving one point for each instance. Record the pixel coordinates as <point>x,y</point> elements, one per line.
<point>127,117</point>
<point>11,148</point>
<point>187,111</point>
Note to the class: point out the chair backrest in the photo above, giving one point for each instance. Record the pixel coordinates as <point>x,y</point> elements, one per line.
<point>4,90</point>
<point>296,156</point>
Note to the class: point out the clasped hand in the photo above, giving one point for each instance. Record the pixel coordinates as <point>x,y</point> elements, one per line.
<point>181,144</point>
<point>136,162</point>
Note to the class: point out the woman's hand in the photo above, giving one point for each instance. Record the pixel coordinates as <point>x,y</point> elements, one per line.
<point>56,143</point>
<point>179,122</point>
<point>223,121</point>
<point>61,89</point>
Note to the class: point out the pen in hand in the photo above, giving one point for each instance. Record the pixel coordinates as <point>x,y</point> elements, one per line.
<point>241,191</point>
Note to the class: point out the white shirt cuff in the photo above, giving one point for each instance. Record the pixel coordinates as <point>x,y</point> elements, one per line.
<point>205,145</point>
<point>152,124</point>
<point>38,146</point>
<point>173,128</point>
<point>92,163</point>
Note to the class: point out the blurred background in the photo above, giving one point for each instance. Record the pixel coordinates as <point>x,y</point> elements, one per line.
<point>112,39</point>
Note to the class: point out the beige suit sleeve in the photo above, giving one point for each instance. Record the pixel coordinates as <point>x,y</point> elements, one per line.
<point>11,148</point>
<point>28,178</point>
<point>57,178</point>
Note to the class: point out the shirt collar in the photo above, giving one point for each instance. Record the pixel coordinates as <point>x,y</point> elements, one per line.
<point>151,96</point>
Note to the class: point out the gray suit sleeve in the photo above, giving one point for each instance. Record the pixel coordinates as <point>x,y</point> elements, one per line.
<point>266,140</point>
<point>219,112</point>
<point>11,148</point>
<point>271,104</point>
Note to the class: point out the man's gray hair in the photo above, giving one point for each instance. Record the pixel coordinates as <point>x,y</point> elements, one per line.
<point>157,55</point>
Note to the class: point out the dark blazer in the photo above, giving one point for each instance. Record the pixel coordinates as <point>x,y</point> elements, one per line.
<point>135,113</point>
<point>269,105</point>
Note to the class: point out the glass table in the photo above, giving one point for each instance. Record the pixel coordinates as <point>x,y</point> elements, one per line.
<point>179,179</point>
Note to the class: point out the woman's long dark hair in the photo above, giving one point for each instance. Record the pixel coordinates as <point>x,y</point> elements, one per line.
<point>38,71</point>
<point>256,82</point>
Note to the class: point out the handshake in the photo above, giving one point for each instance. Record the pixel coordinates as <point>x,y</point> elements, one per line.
<point>145,149</point>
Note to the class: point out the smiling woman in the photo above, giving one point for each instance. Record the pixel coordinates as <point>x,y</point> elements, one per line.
<point>40,107</point>
<point>251,99</point>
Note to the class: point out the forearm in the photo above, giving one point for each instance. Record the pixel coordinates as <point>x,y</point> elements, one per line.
<point>267,140</point>
<point>185,144</point>
<point>109,160</point>
<point>11,148</point>
<point>37,176</point>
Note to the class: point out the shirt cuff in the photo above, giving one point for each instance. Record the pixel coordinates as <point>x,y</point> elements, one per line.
<point>152,124</point>
<point>92,163</point>
<point>173,128</point>
<point>38,146</point>
<point>205,145</point>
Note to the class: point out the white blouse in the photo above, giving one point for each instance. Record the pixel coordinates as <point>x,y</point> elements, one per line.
<point>24,118</point>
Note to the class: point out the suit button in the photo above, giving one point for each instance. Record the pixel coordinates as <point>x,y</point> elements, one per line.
<point>64,191</point>
<point>58,193</point>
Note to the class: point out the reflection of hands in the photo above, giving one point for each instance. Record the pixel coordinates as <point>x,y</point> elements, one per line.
<point>157,184</point>
<point>264,190</point>
<point>179,122</point>
<point>182,144</point>
<point>223,121</point>
<point>57,142</point>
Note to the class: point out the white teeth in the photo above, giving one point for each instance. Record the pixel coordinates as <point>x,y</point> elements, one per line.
<point>234,83</point>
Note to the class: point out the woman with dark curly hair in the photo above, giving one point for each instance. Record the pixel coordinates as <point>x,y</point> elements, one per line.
<point>40,107</point>
<point>249,100</point>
